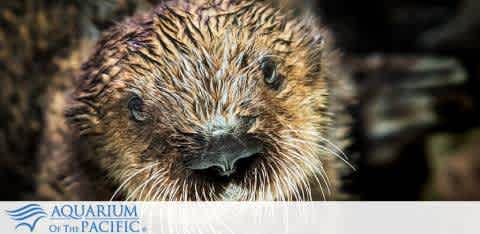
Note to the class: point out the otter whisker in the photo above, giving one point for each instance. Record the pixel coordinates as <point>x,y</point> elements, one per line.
<point>157,181</point>
<point>282,184</point>
<point>195,192</point>
<point>319,170</point>
<point>143,186</point>
<point>294,188</point>
<point>154,185</point>
<point>308,165</point>
<point>277,185</point>
<point>130,178</point>
<point>297,185</point>
<point>301,177</point>
<point>264,178</point>
<point>160,193</point>
<point>204,194</point>
<point>316,134</point>
<point>168,195</point>
<point>131,194</point>
<point>305,182</point>
<point>327,150</point>
<point>174,192</point>
<point>255,181</point>
<point>153,179</point>
<point>185,191</point>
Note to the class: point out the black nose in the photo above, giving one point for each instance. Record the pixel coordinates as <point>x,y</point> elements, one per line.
<point>223,152</point>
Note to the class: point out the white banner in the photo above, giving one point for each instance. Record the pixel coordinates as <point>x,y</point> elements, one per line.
<point>241,217</point>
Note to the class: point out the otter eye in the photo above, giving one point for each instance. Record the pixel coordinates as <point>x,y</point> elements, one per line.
<point>135,105</point>
<point>270,74</point>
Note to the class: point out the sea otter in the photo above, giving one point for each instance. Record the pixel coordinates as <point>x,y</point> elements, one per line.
<point>201,100</point>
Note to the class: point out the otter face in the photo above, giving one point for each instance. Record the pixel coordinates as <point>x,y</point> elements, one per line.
<point>204,102</point>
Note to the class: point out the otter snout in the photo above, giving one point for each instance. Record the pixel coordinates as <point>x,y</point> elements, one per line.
<point>224,152</point>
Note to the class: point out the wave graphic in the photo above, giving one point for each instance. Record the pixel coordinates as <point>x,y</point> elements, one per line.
<point>27,216</point>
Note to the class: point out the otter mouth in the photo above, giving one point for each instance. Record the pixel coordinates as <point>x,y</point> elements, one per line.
<point>225,158</point>
<point>222,175</point>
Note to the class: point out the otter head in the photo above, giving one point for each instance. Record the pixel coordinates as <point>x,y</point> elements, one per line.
<point>208,102</point>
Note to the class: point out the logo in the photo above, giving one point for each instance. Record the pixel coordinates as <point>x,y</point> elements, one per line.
<point>78,218</point>
<point>27,216</point>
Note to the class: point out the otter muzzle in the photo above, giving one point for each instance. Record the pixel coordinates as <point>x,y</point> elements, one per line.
<point>223,152</point>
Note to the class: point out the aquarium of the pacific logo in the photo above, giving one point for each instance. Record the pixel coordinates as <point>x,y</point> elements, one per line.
<point>27,216</point>
<point>77,218</point>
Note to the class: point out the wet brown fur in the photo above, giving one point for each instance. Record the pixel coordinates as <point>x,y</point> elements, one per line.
<point>192,61</point>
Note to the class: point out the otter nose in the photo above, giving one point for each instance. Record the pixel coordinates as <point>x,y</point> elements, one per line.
<point>224,152</point>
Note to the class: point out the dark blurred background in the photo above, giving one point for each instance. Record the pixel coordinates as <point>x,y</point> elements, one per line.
<point>416,65</point>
